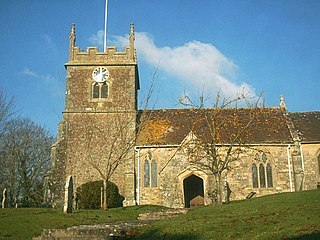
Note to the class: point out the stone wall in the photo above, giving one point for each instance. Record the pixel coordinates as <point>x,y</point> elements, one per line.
<point>311,153</point>
<point>173,166</point>
<point>96,136</point>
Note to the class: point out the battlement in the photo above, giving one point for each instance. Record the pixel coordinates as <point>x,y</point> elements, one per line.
<point>92,56</point>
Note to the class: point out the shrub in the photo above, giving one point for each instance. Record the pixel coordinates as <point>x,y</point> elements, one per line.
<point>89,195</point>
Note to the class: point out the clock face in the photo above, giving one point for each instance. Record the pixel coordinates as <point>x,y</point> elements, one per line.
<point>100,74</point>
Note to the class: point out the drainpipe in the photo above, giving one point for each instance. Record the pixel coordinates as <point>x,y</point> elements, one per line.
<point>289,166</point>
<point>302,163</point>
<point>301,154</point>
<point>138,180</point>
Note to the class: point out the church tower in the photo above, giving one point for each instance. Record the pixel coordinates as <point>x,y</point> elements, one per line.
<point>97,134</point>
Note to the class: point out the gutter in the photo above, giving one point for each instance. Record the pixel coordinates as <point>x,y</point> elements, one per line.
<point>218,145</point>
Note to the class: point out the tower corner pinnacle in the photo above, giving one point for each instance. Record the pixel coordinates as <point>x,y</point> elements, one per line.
<point>72,41</point>
<point>131,41</point>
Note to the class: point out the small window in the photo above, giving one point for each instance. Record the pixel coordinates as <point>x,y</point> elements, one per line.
<point>99,90</point>
<point>150,171</point>
<point>146,173</point>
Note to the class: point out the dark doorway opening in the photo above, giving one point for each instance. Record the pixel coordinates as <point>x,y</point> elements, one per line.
<point>70,196</point>
<point>193,191</point>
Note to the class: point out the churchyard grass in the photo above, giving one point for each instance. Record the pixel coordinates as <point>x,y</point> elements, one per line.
<point>280,216</point>
<point>25,223</point>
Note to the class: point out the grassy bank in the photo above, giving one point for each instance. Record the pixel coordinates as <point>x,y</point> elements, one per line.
<point>281,216</point>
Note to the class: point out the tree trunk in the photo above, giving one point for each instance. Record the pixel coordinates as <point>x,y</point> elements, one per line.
<point>105,204</point>
<point>218,188</point>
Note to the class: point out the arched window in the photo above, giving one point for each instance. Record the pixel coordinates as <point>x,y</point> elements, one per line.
<point>262,177</point>
<point>255,176</point>
<point>269,175</point>
<point>154,174</point>
<point>100,90</point>
<point>104,90</point>
<point>95,90</point>
<point>146,173</point>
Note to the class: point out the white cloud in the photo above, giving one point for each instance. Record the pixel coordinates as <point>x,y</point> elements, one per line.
<point>201,65</point>
<point>97,39</point>
<point>30,73</point>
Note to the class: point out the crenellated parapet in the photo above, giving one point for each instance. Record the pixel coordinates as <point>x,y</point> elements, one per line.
<point>92,56</point>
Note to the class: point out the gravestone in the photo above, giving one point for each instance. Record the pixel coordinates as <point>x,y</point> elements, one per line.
<point>68,200</point>
<point>4,193</point>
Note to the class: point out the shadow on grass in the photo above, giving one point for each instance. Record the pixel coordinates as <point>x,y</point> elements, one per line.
<point>156,234</point>
<point>309,236</point>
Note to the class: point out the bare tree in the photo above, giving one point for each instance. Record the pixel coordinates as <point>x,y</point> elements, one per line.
<point>25,156</point>
<point>6,111</point>
<point>222,137</point>
<point>117,139</point>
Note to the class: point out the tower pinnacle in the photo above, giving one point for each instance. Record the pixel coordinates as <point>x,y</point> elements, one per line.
<point>283,105</point>
<point>72,40</point>
<point>131,41</point>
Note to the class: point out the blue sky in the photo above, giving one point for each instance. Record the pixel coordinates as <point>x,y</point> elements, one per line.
<point>198,46</point>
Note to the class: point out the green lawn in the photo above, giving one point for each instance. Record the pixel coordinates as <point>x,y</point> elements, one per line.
<point>281,216</point>
<point>25,223</point>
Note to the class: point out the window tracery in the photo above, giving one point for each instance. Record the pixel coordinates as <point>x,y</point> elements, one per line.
<point>261,172</point>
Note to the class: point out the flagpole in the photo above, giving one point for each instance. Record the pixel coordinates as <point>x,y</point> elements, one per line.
<point>105,27</point>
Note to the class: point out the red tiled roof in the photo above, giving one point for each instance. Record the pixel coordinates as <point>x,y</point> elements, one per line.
<point>171,126</point>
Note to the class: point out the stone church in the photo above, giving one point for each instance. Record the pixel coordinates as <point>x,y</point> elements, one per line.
<point>151,154</point>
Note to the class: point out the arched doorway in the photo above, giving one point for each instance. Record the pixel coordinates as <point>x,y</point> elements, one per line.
<point>193,191</point>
